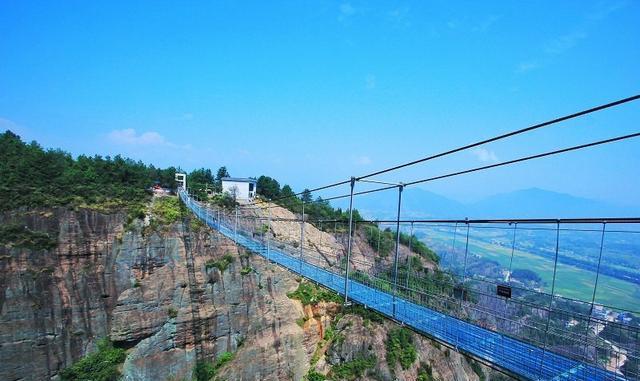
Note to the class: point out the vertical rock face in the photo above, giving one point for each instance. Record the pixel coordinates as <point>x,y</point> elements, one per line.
<point>171,297</point>
<point>135,289</point>
<point>53,304</point>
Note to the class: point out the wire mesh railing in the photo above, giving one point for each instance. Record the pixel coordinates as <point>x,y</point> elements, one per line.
<point>558,321</point>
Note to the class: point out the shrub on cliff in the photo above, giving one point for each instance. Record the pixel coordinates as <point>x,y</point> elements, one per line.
<point>221,264</point>
<point>351,370</point>
<point>17,235</point>
<point>400,348</point>
<point>101,365</point>
<point>309,293</point>
<point>205,370</point>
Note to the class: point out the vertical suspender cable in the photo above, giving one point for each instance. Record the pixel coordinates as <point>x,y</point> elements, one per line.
<point>513,250</point>
<point>553,288</point>
<point>395,259</point>
<point>302,238</point>
<point>346,274</point>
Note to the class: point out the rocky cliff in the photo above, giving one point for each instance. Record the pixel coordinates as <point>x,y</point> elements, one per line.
<point>172,295</point>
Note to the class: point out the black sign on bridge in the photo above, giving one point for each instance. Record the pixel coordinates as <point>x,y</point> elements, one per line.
<point>504,291</point>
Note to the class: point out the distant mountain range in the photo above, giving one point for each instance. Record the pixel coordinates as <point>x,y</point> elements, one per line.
<point>526,203</point>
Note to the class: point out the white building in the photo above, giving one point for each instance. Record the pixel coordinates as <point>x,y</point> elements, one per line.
<point>239,188</point>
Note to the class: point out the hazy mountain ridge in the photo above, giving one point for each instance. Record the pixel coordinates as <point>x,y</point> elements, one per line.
<point>525,203</point>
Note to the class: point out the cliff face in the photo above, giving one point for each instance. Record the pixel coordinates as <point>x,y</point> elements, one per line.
<point>171,297</point>
<point>136,289</point>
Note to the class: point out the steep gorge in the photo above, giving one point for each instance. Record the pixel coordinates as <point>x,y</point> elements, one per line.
<point>173,295</point>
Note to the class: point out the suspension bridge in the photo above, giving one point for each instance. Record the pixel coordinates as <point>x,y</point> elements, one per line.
<point>518,357</point>
<point>531,332</point>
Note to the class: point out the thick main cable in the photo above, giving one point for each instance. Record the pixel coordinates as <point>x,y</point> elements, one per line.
<point>526,158</point>
<point>472,145</point>
<point>509,134</point>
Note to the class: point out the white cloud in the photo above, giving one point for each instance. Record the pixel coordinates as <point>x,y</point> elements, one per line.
<point>487,23</point>
<point>346,11</point>
<point>129,136</point>
<point>362,160</point>
<point>6,124</point>
<point>565,42</point>
<point>524,67</point>
<point>485,155</point>
<point>400,17</point>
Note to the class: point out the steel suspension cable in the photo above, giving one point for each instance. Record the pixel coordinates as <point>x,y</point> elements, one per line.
<point>472,145</point>
<point>526,158</point>
<point>507,135</point>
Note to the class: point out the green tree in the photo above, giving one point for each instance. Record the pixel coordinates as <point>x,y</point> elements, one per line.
<point>222,173</point>
<point>268,187</point>
<point>306,196</point>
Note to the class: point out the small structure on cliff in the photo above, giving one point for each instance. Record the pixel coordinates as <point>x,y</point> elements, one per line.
<point>239,188</point>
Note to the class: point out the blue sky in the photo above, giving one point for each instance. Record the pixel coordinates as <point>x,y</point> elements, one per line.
<point>313,92</point>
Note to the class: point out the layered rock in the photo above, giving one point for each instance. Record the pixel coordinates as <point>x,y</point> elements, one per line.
<point>160,295</point>
<point>134,287</point>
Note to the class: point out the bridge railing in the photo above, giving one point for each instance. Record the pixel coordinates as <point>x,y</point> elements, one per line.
<point>537,312</point>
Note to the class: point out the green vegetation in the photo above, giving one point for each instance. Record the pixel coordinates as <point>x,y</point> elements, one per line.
<point>418,247</point>
<point>366,313</point>
<point>166,210</point>
<point>317,209</point>
<point>101,365</point>
<point>382,241</point>
<point>308,293</point>
<point>313,375</point>
<point>205,370</point>
<point>221,264</point>
<point>34,177</point>
<point>195,224</point>
<point>223,200</point>
<point>301,320</point>
<point>224,358</point>
<point>572,281</point>
<point>400,348</point>
<point>20,236</point>
<point>246,270</point>
<point>425,373</point>
<point>477,369</point>
<point>351,370</point>
<point>172,312</point>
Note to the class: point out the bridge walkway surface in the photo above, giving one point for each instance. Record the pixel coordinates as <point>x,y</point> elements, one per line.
<point>517,357</point>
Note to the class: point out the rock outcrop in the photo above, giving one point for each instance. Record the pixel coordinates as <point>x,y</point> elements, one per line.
<point>165,296</point>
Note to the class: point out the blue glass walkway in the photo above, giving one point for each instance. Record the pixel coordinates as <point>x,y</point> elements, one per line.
<point>522,359</point>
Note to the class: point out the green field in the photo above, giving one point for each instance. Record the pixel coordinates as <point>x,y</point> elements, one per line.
<point>571,282</point>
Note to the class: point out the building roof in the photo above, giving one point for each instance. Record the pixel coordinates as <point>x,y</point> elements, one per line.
<point>239,179</point>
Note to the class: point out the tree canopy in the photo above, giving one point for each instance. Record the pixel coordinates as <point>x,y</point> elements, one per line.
<point>35,177</point>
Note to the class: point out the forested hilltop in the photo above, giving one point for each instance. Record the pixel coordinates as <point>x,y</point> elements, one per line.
<point>35,177</point>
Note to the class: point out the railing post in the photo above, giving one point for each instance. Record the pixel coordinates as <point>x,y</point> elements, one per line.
<point>409,267</point>
<point>302,238</point>
<point>269,233</point>
<point>553,288</point>
<point>378,225</point>
<point>395,259</point>
<point>513,251</point>
<point>235,228</point>
<point>346,275</point>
